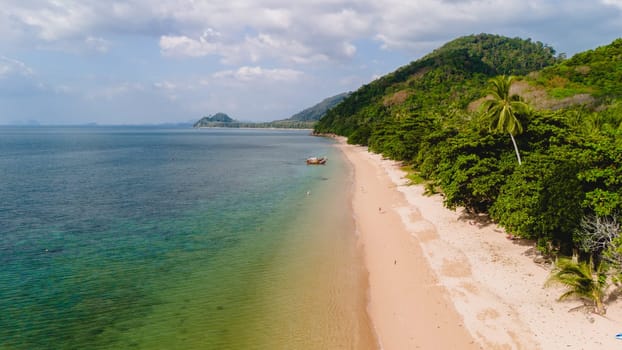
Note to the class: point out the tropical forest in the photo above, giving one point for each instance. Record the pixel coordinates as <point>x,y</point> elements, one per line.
<point>509,129</point>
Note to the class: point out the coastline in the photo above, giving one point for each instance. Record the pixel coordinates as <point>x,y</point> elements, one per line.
<point>438,279</point>
<point>407,306</point>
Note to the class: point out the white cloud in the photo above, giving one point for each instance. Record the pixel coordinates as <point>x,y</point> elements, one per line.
<point>348,49</point>
<point>208,43</point>
<point>245,31</point>
<point>165,85</point>
<point>221,48</point>
<point>97,44</point>
<point>51,20</point>
<point>114,91</point>
<point>10,66</point>
<point>276,18</point>
<point>265,46</point>
<point>345,23</point>
<point>617,3</point>
<point>185,46</point>
<point>251,49</point>
<point>246,74</point>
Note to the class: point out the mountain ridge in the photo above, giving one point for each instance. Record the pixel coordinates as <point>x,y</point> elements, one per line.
<point>304,119</point>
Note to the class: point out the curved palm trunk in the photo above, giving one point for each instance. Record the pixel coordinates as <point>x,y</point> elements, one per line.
<point>600,308</point>
<point>516,149</point>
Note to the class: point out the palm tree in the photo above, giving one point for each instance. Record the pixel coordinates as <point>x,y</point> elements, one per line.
<point>501,109</point>
<point>581,280</point>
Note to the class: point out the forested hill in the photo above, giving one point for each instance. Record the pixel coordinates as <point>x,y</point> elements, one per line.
<point>450,77</point>
<point>596,72</point>
<point>318,110</point>
<point>441,116</point>
<point>218,119</point>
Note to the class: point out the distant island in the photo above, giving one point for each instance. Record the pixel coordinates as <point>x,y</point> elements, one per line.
<point>217,120</point>
<point>305,119</point>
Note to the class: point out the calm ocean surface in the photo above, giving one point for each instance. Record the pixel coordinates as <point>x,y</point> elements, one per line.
<point>151,238</point>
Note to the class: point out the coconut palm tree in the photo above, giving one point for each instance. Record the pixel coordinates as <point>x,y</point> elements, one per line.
<point>501,109</point>
<point>581,280</point>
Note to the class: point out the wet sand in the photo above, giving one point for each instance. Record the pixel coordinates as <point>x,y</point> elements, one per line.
<point>408,307</point>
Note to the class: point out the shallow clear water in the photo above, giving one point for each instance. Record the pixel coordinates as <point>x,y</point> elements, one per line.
<point>172,238</point>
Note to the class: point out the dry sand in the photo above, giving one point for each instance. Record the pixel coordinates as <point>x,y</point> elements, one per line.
<point>439,280</point>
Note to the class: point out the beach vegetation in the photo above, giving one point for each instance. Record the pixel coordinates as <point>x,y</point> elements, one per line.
<point>582,280</point>
<point>412,175</point>
<point>502,109</point>
<point>600,238</point>
<point>430,188</point>
<point>541,200</point>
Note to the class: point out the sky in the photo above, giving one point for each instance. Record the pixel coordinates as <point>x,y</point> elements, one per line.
<point>169,61</point>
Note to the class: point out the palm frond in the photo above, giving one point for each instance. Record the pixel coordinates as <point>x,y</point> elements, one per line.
<point>580,280</point>
<point>501,109</point>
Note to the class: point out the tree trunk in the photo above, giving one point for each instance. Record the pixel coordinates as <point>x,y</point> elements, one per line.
<point>516,149</point>
<point>600,308</point>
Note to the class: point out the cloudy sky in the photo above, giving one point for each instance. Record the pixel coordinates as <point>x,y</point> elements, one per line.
<point>148,61</point>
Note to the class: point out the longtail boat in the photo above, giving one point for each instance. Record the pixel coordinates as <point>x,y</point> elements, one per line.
<point>316,160</point>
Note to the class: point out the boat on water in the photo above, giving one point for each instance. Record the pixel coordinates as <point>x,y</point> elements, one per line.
<point>316,160</point>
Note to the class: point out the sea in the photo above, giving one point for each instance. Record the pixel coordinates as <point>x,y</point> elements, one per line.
<point>177,238</point>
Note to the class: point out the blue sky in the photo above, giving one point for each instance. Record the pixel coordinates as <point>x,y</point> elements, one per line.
<point>142,61</point>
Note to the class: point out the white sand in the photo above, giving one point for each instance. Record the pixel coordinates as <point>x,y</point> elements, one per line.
<point>496,289</point>
<point>408,308</point>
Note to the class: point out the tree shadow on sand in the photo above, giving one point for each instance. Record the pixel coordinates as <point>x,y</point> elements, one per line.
<point>480,220</point>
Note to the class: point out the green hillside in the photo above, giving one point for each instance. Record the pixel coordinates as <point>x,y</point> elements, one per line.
<point>597,72</point>
<point>437,115</point>
<point>317,111</point>
<point>447,79</point>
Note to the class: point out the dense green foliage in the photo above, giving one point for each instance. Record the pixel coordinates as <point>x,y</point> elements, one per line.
<point>446,80</point>
<point>504,55</point>
<point>598,72</point>
<point>431,114</point>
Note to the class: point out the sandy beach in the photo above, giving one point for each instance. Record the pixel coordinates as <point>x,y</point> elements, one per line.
<point>441,280</point>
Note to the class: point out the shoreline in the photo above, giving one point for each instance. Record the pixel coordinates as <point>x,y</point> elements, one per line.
<point>407,306</point>
<point>439,279</point>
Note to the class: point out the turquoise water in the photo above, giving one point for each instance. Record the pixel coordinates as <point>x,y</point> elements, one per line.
<point>146,238</point>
